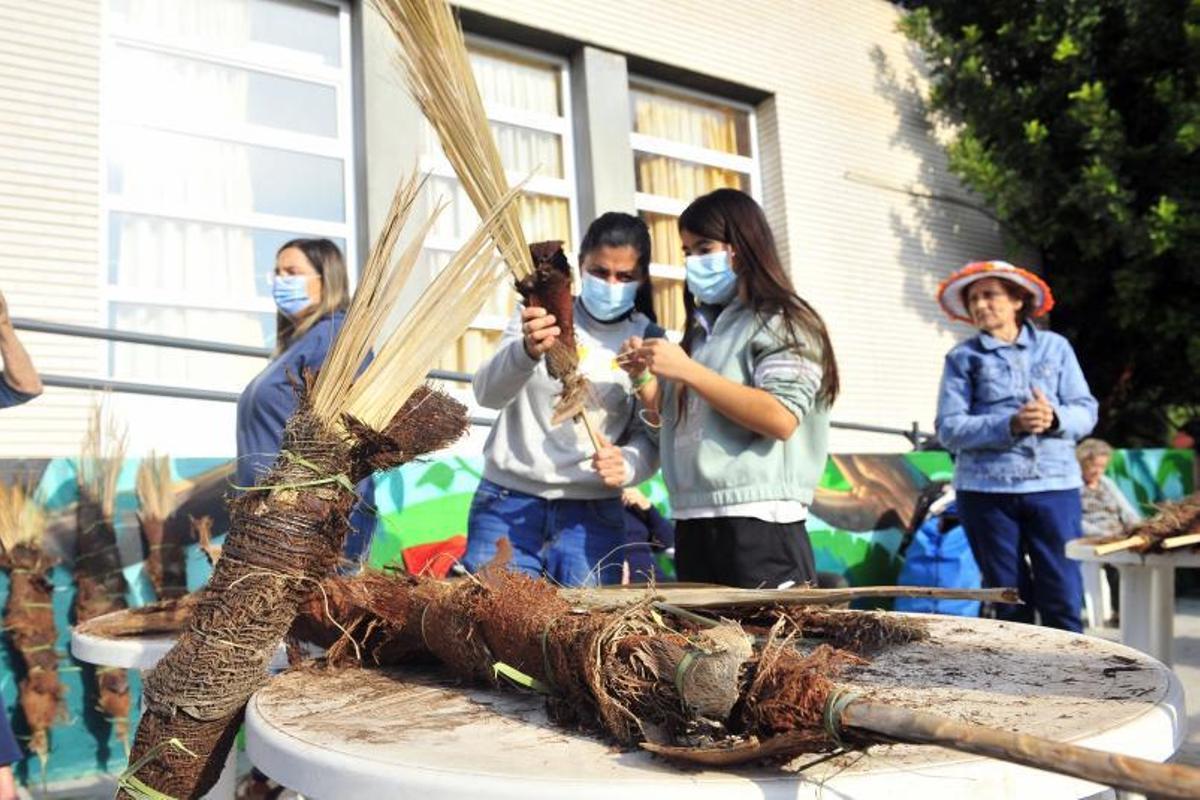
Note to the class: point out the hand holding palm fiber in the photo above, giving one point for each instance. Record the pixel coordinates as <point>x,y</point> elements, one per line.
<point>99,580</point>
<point>29,615</point>
<point>549,287</point>
<point>692,689</point>
<point>162,532</point>
<point>287,534</point>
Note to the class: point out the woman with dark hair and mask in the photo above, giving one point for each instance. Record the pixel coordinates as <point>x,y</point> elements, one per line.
<point>311,291</point>
<point>1012,403</point>
<point>743,403</point>
<point>544,488</point>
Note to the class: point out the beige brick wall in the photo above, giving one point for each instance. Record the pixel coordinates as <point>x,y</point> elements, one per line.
<point>50,205</point>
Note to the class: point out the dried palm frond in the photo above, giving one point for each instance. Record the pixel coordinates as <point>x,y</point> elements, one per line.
<point>22,517</point>
<point>101,458</point>
<point>439,316</point>
<point>155,492</point>
<point>379,285</point>
<point>438,69</point>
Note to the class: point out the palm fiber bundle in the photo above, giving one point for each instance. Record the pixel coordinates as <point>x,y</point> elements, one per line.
<point>99,580</point>
<point>163,534</point>
<point>29,614</point>
<point>286,535</point>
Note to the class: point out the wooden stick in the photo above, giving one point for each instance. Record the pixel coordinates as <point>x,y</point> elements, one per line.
<point>726,597</point>
<point>1110,769</point>
<point>1172,542</point>
<point>1128,543</point>
<point>597,443</point>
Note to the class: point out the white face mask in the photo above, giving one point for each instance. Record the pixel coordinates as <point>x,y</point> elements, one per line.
<point>711,278</point>
<point>607,301</point>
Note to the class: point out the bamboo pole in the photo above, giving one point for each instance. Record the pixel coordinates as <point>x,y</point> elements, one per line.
<point>1128,543</point>
<point>1180,541</point>
<point>1111,769</point>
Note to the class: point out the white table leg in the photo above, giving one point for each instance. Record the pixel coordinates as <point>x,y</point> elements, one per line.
<point>1148,609</point>
<point>1162,614</point>
<point>1093,593</point>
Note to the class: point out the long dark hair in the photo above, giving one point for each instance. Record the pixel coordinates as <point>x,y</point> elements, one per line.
<point>616,229</point>
<point>327,260</point>
<point>732,217</point>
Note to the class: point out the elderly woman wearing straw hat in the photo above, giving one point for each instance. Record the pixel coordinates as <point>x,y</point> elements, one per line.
<point>1013,402</point>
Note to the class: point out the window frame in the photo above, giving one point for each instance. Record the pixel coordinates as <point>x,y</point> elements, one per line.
<point>115,36</point>
<point>750,165</point>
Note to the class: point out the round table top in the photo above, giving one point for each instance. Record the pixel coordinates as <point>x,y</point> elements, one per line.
<point>137,652</point>
<point>391,733</point>
<point>1085,550</point>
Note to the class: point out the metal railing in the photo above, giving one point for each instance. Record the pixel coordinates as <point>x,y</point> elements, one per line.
<point>913,433</point>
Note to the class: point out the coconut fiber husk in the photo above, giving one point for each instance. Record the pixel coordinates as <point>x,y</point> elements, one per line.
<point>165,541</point>
<point>284,538</point>
<point>100,589</point>
<point>549,287</point>
<point>29,620</point>
<point>164,618</point>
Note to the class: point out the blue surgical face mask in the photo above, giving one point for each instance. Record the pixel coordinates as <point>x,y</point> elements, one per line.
<point>291,293</point>
<point>711,278</point>
<point>607,301</point>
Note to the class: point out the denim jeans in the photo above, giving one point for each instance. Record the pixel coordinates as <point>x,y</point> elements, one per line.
<point>1006,529</point>
<point>571,542</point>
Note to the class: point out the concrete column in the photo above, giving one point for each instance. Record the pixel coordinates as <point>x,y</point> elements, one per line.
<point>603,156</point>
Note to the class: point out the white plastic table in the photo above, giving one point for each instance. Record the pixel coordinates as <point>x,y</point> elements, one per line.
<point>1147,594</point>
<point>142,653</point>
<point>413,734</point>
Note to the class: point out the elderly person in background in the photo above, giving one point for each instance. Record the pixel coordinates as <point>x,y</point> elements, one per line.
<point>1106,510</point>
<point>1013,402</point>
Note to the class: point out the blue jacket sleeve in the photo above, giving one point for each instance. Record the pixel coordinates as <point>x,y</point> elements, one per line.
<point>957,428</point>
<point>1073,404</point>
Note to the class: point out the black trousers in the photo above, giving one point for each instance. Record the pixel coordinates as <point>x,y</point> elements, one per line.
<point>744,552</point>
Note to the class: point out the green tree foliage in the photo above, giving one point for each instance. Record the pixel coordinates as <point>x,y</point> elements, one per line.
<point>1079,122</point>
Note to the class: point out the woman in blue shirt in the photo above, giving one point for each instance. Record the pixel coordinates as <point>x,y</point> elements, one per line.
<point>311,292</point>
<point>1013,402</point>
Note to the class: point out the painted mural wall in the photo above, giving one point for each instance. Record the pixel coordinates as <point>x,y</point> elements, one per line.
<point>860,513</point>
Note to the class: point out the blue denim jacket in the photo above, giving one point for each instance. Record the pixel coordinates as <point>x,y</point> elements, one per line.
<point>984,382</point>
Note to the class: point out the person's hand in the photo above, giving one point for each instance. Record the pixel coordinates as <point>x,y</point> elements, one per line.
<point>632,496</point>
<point>610,464</point>
<point>8,786</point>
<point>666,360</point>
<point>540,329</point>
<point>1047,409</point>
<point>629,359</point>
<point>1036,416</point>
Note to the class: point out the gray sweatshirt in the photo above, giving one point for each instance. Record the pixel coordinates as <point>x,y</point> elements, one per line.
<point>524,453</point>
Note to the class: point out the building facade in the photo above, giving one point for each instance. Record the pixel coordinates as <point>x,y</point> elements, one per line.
<point>156,153</point>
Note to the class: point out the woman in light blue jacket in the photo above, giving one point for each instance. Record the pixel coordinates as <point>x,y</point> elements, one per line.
<point>1013,402</point>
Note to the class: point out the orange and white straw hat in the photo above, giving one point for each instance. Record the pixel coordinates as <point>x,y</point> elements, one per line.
<point>950,291</point>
